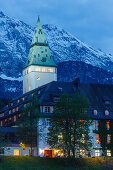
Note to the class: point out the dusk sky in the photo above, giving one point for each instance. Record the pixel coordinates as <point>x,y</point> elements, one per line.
<point>89,20</point>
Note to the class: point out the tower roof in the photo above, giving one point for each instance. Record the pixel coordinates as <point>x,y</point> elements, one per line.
<point>39,53</point>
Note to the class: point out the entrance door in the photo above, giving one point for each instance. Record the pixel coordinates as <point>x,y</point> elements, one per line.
<point>48,153</point>
<point>16,152</point>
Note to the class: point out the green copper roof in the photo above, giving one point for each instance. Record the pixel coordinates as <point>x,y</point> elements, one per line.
<point>39,53</point>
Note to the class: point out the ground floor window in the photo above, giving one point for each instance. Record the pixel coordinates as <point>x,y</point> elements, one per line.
<point>82,152</point>
<point>97,152</point>
<point>16,152</point>
<point>108,152</point>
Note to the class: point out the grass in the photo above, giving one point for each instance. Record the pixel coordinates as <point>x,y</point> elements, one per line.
<point>37,163</point>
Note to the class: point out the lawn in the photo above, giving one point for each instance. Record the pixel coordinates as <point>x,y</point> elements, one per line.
<point>37,163</point>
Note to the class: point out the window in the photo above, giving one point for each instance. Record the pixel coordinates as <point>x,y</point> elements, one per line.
<point>106,112</point>
<point>23,98</point>
<point>108,138</point>
<point>13,110</point>
<point>16,152</point>
<point>82,140</point>
<point>96,124</point>
<point>97,152</point>
<point>18,101</point>
<point>95,112</point>
<point>38,69</point>
<point>108,125</point>
<point>82,152</point>
<point>81,123</point>
<point>14,118</point>
<point>45,50</point>
<point>50,70</point>
<point>11,104</point>
<point>60,138</point>
<point>96,138</point>
<point>9,111</point>
<point>108,152</point>
<point>47,109</point>
<point>44,70</point>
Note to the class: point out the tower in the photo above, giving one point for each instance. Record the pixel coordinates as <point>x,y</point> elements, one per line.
<point>39,68</point>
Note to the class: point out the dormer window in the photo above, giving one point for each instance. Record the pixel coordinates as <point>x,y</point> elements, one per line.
<point>106,112</point>
<point>95,112</point>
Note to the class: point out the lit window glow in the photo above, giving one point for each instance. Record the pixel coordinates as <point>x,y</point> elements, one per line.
<point>108,125</point>
<point>108,152</point>
<point>97,152</point>
<point>96,138</point>
<point>96,124</point>
<point>16,152</point>
<point>82,152</point>
<point>50,70</point>
<point>44,70</point>
<point>108,138</point>
<point>106,112</point>
<point>95,112</point>
<point>37,69</point>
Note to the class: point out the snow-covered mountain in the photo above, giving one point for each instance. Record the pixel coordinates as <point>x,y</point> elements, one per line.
<point>67,51</point>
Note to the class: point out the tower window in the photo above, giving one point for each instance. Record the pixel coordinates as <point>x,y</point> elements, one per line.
<point>50,70</point>
<point>45,50</point>
<point>37,69</point>
<point>44,70</point>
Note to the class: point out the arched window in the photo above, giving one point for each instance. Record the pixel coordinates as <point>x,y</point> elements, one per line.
<point>95,112</point>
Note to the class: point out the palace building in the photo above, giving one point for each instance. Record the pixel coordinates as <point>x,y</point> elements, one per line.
<point>40,77</point>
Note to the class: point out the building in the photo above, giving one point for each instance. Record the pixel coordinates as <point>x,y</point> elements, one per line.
<point>40,76</point>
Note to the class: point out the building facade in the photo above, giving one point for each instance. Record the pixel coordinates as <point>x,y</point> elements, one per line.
<point>40,77</point>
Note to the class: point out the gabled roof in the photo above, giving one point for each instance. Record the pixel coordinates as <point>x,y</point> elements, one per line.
<point>39,53</point>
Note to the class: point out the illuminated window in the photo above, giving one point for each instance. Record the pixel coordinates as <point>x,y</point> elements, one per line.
<point>108,152</point>
<point>11,104</point>
<point>50,70</point>
<point>96,138</point>
<point>60,138</point>
<point>97,152</point>
<point>106,112</point>
<point>96,124</point>
<point>95,112</point>
<point>16,152</point>
<point>82,152</point>
<point>81,123</point>
<point>16,108</point>
<point>108,138</point>
<point>82,140</point>
<point>108,125</point>
<point>37,69</point>
<point>1,124</point>
<point>23,98</point>
<point>18,101</point>
<point>44,70</point>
